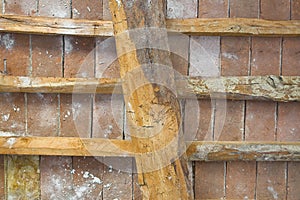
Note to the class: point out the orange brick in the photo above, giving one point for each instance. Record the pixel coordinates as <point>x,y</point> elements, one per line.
<point>209,180</point>
<point>55,8</point>
<point>291,57</point>
<point>240,180</point>
<point>271,180</point>
<point>21,7</point>
<point>275,10</point>
<point>56,178</point>
<point>181,9</point>
<point>213,8</point>
<point>244,8</point>
<point>89,9</point>
<point>87,177</point>
<point>295,10</point>
<point>293,181</point>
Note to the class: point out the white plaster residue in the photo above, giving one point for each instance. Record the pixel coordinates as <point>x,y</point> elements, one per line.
<point>119,2</point>
<point>76,107</point>
<point>68,45</point>
<point>88,8</point>
<point>25,81</point>
<point>86,175</point>
<point>76,12</point>
<point>10,142</point>
<point>230,56</point>
<point>7,134</point>
<point>16,108</point>
<point>7,41</point>
<point>5,117</point>
<point>273,192</point>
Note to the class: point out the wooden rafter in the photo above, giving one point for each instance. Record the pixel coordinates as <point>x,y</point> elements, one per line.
<point>274,88</point>
<point>95,28</point>
<point>197,150</point>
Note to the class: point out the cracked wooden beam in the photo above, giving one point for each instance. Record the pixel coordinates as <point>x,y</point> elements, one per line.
<point>272,88</point>
<point>95,28</point>
<point>197,150</point>
<point>152,109</point>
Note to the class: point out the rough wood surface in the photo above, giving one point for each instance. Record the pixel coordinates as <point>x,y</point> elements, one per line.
<point>272,88</point>
<point>197,150</point>
<point>152,109</point>
<point>94,28</point>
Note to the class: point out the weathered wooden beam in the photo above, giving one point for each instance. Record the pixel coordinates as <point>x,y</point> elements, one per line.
<point>95,28</point>
<point>273,88</point>
<point>197,150</point>
<point>244,151</point>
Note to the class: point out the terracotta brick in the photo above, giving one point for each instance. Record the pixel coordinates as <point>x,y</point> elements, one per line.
<point>2,178</point>
<point>240,180</point>
<point>275,10</point>
<point>288,122</point>
<point>87,177</point>
<point>55,8</point>
<point>209,180</point>
<point>213,8</point>
<point>244,8</point>
<point>106,11</point>
<point>293,192</point>
<point>117,178</point>
<point>291,57</point>
<point>271,180</point>
<point>56,178</point>
<point>20,7</point>
<point>181,9</point>
<point>295,10</point>
<point>90,9</point>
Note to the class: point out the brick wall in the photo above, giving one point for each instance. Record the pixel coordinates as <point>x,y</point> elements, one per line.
<point>68,56</point>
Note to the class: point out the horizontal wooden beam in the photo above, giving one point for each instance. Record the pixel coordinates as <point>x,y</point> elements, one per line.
<point>198,26</point>
<point>197,150</point>
<point>273,88</point>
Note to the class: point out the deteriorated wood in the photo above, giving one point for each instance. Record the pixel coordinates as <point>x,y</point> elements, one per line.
<point>244,151</point>
<point>273,88</point>
<point>197,150</point>
<point>200,26</point>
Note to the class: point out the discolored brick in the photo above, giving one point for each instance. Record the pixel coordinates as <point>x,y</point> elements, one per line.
<point>213,8</point>
<point>271,180</point>
<point>240,180</point>
<point>181,9</point>
<point>89,9</point>
<point>291,57</point>
<point>295,9</point>
<point>2,178</point>
<point>293,189</point>
<point>106,11</point>
<point>275,10</point>
<point>209,180</point>
<point>244,8</point>
<point>56,8</point>
<point>20,7</point>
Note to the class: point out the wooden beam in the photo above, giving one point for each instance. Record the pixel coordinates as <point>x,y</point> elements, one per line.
<point>244,151</point>
<point>273,88</point>
<point>95,28</point>
<point>197,150</point>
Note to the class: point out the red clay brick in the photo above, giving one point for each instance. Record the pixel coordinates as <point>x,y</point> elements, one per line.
<point>87,177</point>
<point>213,8</point>
<point>56,178</point>
<point>288,122</point>
<point>240,180</point>
<point>209,180</point>
<point>295,10</point>
<point>55,8</point>
<point>21,7</point>
<point>293,181</point>
<point>275,10</point>
<point>181,9</point>
<point>291,57</point>
<point>271,180</point>
<point>2,178</point>
<point>244,8</point>
<point>89,9</point>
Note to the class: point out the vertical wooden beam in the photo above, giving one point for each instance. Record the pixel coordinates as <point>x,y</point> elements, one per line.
<point>153,112</point>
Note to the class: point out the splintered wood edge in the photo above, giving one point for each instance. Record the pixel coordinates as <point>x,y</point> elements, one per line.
<point>271,88</point>
<point>196,26</point>
<point>196,150</point>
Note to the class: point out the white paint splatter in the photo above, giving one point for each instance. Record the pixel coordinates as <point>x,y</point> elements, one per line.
<point>230,56</point>
<point>273,192</point>
<point>68,45</point>
<point>11,142</point>
<point>88,8</point>
<point>75,11</point>
<point>7,41</point>
<point>24,81</point>
<point>119,2</point>
<point>5,117</point>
